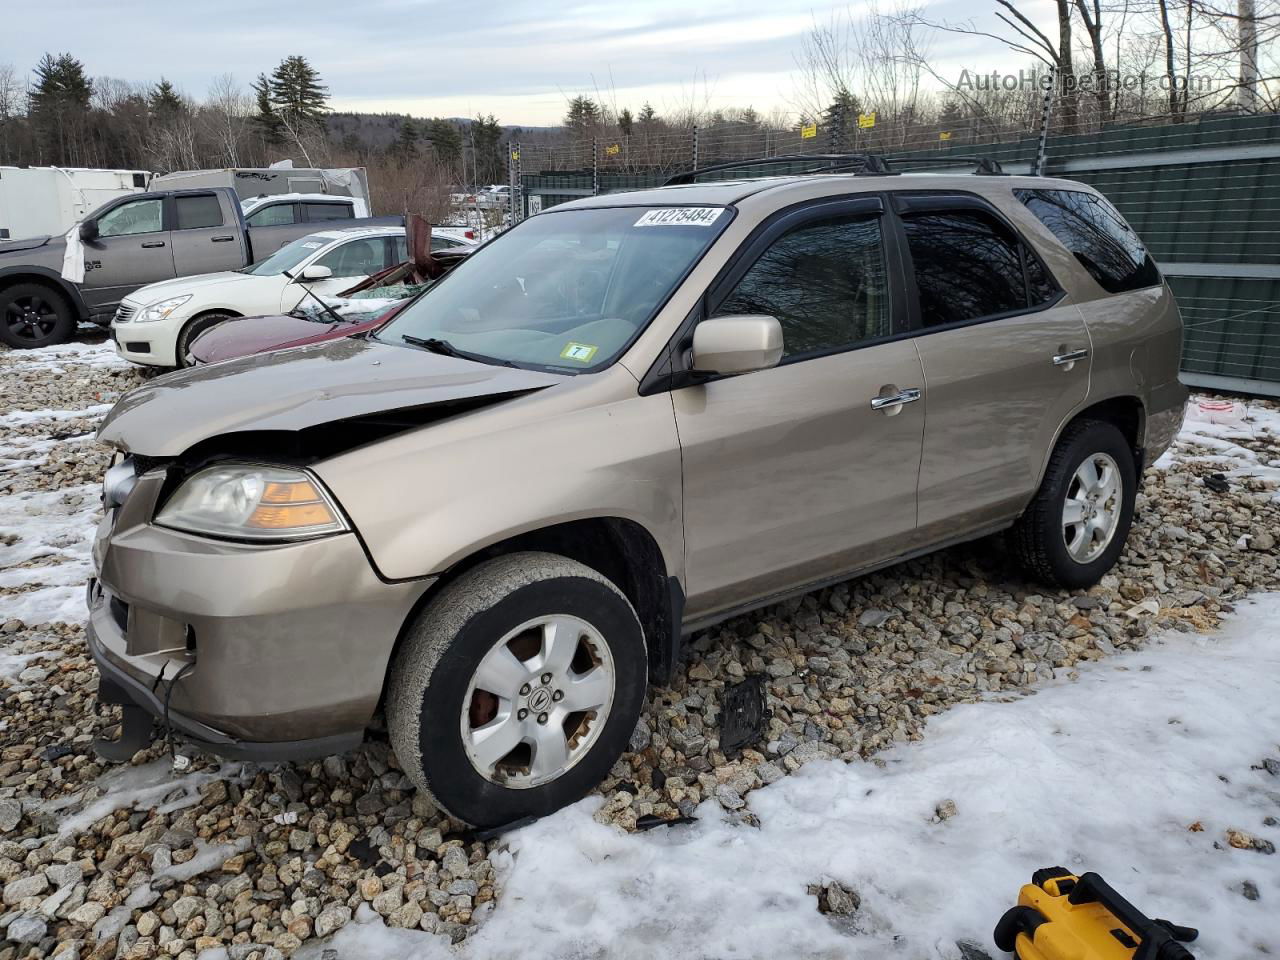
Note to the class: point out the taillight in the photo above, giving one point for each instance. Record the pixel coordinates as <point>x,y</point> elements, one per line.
<point>470,234</point>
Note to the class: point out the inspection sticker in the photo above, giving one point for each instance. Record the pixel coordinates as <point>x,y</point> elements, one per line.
<point>582,352</point>
<point>680,217</point>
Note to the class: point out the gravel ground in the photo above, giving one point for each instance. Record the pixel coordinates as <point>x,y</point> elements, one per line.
<point>140,862</point>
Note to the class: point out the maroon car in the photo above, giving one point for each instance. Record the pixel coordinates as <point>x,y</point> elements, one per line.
<point>367,305</point>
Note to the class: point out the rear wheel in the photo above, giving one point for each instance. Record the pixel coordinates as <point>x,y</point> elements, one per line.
<point>196,326</point>
<point>34,315</point>
<point>1075,528</point>
<point>517,688</point>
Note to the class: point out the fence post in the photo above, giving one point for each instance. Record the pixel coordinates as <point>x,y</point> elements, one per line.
<point>695,146</point>
<point>517,198</point>
<point>1042,149</point>
<point>595,167</point>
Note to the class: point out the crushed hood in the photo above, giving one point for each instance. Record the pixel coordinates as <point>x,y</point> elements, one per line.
<point>292,390</point>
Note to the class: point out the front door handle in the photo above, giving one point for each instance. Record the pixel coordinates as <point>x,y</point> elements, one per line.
<point>223,239</point>
<point>1069,357</point>
<point>153,243</point>
<point>893,403</point>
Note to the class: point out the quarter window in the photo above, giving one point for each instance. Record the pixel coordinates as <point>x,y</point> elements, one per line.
<point>138,216</point>
<point>202,210</point>
<point>1093,230</point>
<point>826,283</point>
<point>328,211</point>
<point>968,265</point>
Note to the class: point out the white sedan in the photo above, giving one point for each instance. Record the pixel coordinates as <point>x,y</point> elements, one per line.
<point>157,323</point>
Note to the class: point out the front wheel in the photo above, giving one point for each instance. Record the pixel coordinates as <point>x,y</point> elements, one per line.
<point>1073,531</point>
<point>33,315</point>
<point>193,328</point>
<point>517,688</point>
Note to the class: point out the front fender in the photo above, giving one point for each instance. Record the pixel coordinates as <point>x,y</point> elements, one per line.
<point>29,272</point>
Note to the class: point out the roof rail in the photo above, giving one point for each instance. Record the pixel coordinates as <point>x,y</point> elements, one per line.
<point>861,164</point>
<point>982,166</point>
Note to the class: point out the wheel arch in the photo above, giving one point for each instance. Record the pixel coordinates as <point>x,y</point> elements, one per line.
<point>1126,412</point>
<point>29,273</point>
<point>620,549</point>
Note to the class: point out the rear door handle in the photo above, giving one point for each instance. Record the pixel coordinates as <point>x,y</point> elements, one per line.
<point>223,239</point>
<point>154,243</point>
<point>1068,358</point>
<point>892,404</point>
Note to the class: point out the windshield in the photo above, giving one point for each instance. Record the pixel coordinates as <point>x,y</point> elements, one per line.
<point>287,257</point>
<point>564,291</point>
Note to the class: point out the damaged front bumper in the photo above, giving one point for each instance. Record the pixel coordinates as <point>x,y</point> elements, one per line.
<point>255,651</point>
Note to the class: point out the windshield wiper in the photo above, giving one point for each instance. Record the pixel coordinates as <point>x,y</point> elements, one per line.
<point>447,349</point>
<point>311,293</point>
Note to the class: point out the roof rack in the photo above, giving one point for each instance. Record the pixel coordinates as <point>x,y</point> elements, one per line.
<point>860,164</point>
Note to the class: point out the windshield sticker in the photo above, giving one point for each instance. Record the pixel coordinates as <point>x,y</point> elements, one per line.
<point>680,217</point>
<point>312,245</point>
<point>581,352</point>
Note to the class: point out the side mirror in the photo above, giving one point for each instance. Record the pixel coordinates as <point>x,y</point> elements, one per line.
<point>732,345</point>
<point>89,230</point>
<point>315,272</point>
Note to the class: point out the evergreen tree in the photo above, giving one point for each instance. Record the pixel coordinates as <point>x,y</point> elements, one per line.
<point>750,117</point>
<point>490,160</point>
<point>584,113</point>
<point>445,139</point>
<point>840,119</point>
<point>59,108</point>
<point>265,117</point>
<point>296,93</point>
<point>626,122</point>
<point>647,114</point>
<point>407,139</point>
<point>163,100</point>
<point>952,115</point>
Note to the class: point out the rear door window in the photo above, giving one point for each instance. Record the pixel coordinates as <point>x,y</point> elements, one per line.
<point>273,215</point>
<point>824,281</point>
<point>356,258</point>
<point>969,266</point>
<point>201,210</point>
<point>1093,230</point>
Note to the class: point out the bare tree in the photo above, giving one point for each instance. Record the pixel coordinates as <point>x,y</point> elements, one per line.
<point>228,112</point>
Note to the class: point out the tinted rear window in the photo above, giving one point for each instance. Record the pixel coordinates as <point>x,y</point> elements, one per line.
<point>1092,229</point>
<point>199,211</point>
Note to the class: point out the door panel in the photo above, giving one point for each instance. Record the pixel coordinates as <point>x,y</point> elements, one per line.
<point>790,476</point>
<point>995,402</point>
<point>202,241</point>
<point>131,250</point>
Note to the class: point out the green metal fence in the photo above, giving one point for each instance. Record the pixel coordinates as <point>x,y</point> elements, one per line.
<point>1204,194</point>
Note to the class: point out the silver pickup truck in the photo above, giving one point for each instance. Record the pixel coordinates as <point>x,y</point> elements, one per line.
<point>133,241</point>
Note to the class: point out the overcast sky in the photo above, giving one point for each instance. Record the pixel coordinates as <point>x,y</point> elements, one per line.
<point>519,60</point>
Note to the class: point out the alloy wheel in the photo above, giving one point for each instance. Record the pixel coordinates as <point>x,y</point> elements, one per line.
<point>30,317</point>
<point>538,701</point>
<point>1091,511</point>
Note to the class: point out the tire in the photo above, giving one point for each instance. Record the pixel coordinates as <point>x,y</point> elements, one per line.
<point>1056,547</point>
<point>437,699</point>
<point>194,327</point>
<point>35,315</point>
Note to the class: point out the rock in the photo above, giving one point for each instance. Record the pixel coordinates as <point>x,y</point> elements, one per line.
<point>25,887</point>
<point>640,736</point>
<point>88,914</point>
<point>10,815</point>
<point>729,798</point>
<point>1272,766</point>
<point>187,907</point>
<point>1249,890</point>
<point>455,862</point>
<point>874,618</point>
<point>331,918</point>
<point>1262,540</point>
<point>972,950</point>
<point>835,898</point>
<point>27,929</point>
<point>945,810</point>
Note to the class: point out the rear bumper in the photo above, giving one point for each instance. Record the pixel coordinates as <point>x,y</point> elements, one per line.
<point>1168,404</point>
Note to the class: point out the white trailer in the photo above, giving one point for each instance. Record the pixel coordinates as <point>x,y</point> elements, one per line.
<point>35,201</point>
<point>280,178</point>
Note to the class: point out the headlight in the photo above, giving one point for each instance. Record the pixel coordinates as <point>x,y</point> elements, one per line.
<point>161,310</point>
<point>252,503</point>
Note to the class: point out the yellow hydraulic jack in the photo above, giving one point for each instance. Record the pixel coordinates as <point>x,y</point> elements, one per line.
<point>1060,916</point>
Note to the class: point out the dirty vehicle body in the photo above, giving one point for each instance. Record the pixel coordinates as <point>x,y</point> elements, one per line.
<point>127,243</point>
<point>363,308</point>
<point>626,418</point>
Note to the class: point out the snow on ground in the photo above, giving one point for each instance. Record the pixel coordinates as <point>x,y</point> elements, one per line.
<point>1112,772</point>
<point>57,528</point>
